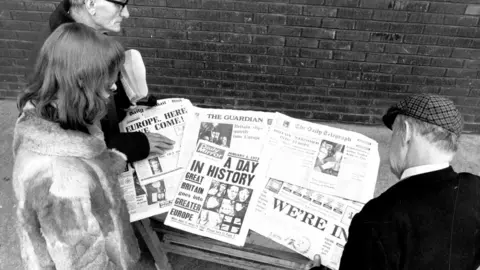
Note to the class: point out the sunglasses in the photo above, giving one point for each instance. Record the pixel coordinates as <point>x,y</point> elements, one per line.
<point>122,4</point>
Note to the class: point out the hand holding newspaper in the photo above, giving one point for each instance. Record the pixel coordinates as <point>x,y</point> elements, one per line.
<point>167,118</point>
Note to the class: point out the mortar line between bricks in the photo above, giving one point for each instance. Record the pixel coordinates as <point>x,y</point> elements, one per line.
<point>374,82</point>
<point>317,27</point>
<point>305,15</point>
<point>326,59</point>
<point>347,61</point>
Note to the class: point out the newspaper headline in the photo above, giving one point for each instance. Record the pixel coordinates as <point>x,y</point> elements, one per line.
<point>167,118</point>
<point>312,222</point>
<point>217,194</point>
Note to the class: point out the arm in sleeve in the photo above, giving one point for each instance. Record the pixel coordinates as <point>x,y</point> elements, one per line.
<point>363,250</point>
<point>134,145</point>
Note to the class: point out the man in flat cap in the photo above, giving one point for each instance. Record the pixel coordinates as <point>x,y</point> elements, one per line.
<point>431,218</point>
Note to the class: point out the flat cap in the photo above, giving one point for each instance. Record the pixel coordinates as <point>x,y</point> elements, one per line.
<point>433,109</point>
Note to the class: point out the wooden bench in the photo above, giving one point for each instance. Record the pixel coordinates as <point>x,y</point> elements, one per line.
<point>258,253</point>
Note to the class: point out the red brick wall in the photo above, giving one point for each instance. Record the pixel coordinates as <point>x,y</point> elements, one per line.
<point>328,60</point>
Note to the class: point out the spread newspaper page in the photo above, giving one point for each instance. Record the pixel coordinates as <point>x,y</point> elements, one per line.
<point>304,220</point>
<point>322,158</point>
<point>167,118</point>
<point>217,194</point>
<point>148,200</point>
<point>219,188</point>
<point>237,130</point>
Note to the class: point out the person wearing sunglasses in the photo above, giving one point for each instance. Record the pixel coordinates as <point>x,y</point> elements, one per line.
<point>106,16</point>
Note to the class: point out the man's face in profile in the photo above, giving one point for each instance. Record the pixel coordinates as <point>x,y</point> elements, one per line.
<point>109,14</point>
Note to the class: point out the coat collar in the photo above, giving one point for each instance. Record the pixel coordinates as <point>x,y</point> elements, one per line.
<point>48,138</point>
<point>60,15</point>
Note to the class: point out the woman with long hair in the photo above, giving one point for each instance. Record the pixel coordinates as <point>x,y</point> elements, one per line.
<point>71,212</point>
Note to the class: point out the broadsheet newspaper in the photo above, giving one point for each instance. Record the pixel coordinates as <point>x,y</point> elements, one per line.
<point>322,158</point>
<point>240,131</point>
<point>167,118</point>
<point>305,221</point>
<point>148,200</point>
<point>217,194</point>
<point>219,189</point>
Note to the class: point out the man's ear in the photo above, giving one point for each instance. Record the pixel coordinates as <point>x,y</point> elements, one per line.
<point>90,6</point>
<point>408,132</point>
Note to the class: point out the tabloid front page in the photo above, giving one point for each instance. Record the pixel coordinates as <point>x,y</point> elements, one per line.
<point>144,201</point>
<point>305,221</point>
<point>167,118</point>
<point>217,194</point>
<point>322,158</point>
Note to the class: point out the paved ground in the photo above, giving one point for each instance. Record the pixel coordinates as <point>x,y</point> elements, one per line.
<point>468,159</point>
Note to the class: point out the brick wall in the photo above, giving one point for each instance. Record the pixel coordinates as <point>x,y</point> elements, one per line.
<point>327,60</point>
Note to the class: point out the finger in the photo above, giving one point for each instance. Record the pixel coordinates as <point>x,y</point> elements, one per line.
<point>317,260</point>
<point>163,146</point>
<point>160,137</point>
<point>157,151</point>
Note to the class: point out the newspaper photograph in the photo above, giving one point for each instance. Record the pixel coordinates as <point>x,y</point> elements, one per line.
<point>237,130</point>
<point>167,118</point>
<point>144,201</point>
<point>305,221</point>
<point>322,158</point>
<point>217,194</point>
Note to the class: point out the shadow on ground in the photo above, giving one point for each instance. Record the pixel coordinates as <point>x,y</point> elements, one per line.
<point>468,159</point>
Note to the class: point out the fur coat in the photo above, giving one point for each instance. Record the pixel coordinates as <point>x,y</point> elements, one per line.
<point>71,212</point>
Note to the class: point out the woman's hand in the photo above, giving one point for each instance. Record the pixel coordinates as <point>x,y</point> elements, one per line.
<point>159,144</point>
<point>314,263</point>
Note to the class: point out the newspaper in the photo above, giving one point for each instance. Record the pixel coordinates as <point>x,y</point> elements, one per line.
<point>135,113</point>
<point>237,130</point>
<point>322,158</point>
<point>218,193</point>
<point>167,118</point>
<point>305,221</point>
<point>144,201</point>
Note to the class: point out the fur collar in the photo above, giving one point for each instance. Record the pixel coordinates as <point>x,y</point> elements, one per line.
<point>48,138</point>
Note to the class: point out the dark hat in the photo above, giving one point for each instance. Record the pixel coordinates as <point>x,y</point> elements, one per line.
<point>433,109</point>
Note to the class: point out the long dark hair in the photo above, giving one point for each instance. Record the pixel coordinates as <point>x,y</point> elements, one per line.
<point>75,68</point>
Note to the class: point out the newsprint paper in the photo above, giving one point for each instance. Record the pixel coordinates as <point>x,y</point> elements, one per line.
<point>217,194</point>
<point>240,131</point>
<point>144,201</point>
<point>322,158</point>
<point>305,221</point>
<point>167,118</point>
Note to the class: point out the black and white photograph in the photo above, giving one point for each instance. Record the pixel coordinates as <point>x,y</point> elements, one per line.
<point>155,192</point>
<point>155,165</point>
<point>220,134</point>
<point>139,189</point>
<point>226,204</point>
<point>274,185</point>
<point>329,158</point>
